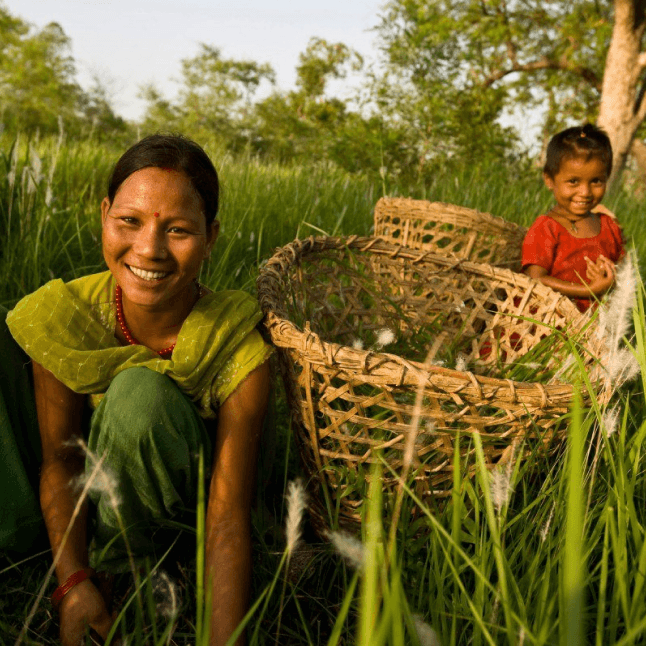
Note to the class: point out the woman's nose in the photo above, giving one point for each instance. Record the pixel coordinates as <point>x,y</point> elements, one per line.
<point>151,243</point>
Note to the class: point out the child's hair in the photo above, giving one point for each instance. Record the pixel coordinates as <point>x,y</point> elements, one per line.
<point>585,141</point>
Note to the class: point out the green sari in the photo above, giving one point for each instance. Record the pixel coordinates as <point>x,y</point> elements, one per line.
<point>148,423</point>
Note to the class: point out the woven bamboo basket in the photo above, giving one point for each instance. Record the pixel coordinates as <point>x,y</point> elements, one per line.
<point>327,303</point>
<point>450,230</point>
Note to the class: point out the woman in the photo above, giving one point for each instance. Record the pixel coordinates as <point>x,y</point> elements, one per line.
<point>167,368</point>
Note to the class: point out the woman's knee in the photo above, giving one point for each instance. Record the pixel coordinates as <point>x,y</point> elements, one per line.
<point>141,407</point>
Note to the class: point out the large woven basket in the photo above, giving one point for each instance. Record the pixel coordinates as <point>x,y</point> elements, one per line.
<point>327,303</point>
<point>450,230</point>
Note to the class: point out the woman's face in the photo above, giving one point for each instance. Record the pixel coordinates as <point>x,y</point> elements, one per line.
<point>155,237</point>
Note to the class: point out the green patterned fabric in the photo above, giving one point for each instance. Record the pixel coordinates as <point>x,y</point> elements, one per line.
<point>68,328</point>
<point>150,435</point>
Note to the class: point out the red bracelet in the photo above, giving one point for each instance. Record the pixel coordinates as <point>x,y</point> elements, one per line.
<point>69,583</point>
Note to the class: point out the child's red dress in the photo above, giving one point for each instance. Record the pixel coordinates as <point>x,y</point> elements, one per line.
<point>550,245</point>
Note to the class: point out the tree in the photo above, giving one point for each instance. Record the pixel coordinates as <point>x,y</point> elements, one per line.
<point>215,95</point>
<point>38,87</point>
<point>37,77</point>
<point>305,122</point>
<point>567,57</point>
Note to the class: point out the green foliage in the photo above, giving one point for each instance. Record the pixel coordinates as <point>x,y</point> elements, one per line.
<point>214,98</point>
<point>466,62</point>
<point>38,87</point>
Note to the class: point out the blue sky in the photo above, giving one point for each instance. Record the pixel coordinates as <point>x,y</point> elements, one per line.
<point>129,43</point>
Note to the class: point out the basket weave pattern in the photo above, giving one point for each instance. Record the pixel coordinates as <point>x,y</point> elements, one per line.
<point>449,229</point>
<point>322,295</point>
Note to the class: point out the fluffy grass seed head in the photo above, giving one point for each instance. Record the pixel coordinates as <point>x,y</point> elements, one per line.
<point>385,337</point>
<point>103,480</point>
<point>426,635</point>
<point>166,595</point>
<point>614,325</point>
<point>357,344</point>
<point>500,485</point>
<point>461,363</point>
<point>348,547</point>
<point>546,527</point>
<point>610,420</point>
<point>296,501</point>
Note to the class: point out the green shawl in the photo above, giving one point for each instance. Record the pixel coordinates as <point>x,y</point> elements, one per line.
<point>68,328</point>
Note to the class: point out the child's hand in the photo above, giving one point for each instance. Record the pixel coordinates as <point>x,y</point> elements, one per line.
<point>600,275</point>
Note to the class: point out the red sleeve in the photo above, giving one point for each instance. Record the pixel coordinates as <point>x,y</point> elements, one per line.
<point>539,245</point>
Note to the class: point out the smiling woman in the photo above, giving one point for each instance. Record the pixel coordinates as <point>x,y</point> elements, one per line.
<point>151,367</point>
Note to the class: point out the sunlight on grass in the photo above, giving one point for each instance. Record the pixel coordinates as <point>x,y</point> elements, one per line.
<point>560,558</point>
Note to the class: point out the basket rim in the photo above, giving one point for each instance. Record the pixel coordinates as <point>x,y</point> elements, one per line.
<point>381,364</point>
<point>447,208</point>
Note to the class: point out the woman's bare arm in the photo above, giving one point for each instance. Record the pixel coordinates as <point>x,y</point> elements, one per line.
<point>228,518</point>
<point>59,419</point>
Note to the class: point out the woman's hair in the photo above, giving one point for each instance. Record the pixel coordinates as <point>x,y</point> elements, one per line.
<point>585,141</point>
<point>172,152</point>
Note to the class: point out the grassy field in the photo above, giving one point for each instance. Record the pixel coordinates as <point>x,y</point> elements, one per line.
<point>554,554</point>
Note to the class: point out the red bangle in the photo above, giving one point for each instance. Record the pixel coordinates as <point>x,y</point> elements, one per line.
<point>69,583</point>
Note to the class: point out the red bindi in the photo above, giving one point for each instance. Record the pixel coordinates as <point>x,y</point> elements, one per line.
<point>156,214</point>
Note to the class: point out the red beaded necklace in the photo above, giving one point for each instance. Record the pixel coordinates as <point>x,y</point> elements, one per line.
<point>121,319</point>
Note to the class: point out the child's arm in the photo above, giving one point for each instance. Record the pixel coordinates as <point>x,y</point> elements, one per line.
<point>600,277</point>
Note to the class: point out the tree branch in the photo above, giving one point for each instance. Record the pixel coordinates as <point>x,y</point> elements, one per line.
<point>545,64</point>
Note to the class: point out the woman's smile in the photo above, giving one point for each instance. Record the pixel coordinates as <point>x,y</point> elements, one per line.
<point>148,275</point>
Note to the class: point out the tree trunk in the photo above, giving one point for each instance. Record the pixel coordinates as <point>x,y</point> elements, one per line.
<point>622,107</point>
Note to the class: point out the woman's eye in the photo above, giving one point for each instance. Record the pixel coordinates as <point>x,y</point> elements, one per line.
<point>176,230</point>
<point>128,220</point>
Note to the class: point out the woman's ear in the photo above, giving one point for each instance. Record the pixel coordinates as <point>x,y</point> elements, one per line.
<point>211,236</point>
<point>105,207</point>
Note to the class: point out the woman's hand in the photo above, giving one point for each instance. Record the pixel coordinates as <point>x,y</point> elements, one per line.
<point>83,606</point>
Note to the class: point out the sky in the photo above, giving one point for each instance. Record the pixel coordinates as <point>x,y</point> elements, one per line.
<point>128,43</point>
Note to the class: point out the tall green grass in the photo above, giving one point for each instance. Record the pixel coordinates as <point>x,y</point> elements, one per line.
<point>554,554</point>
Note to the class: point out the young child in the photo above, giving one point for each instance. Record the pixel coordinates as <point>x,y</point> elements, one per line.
<point>573,248</point>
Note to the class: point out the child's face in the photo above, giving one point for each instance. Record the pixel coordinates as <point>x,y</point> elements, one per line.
<point>579,185</point>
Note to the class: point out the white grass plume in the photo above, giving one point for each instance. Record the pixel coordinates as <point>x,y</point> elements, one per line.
<point>349,547</point>
<point>357,344</point>
<point>165,593</point>
<point>500,485</point>
<point>425,634</point>
<point>296,501</point>
<point>102,480</point>
<point>615,318</point>
<point>610,420</point>
<point>621,366</point>
<point>461,363</point>
<point>385,337</point>
<point>546,527</point>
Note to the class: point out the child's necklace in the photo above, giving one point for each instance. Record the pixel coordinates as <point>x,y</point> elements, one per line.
<point>572,222</point>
